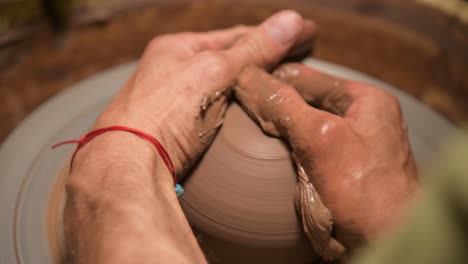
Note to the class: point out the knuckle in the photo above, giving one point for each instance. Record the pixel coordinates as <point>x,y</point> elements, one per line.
<point>393,100</point>
<point>326,129</point>
<point>292,100</point>
<point>280,109</point>
<point>260,58</point>
<point>381,100</point>
<point>284,99</point>
<point>286,92</point>
<point>313,128</point>
<point>166,41</point>
<point>292,115</point>
<point>390,102</point>
<point>294,118</point>
<point>381,95</point>
<point>160,42</point>
<point>240,28</point>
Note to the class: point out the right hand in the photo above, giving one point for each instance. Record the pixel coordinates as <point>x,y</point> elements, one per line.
<point>349,137</point>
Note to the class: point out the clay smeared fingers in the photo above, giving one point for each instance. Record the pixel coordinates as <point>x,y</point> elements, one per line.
<point>338,95</point>
<point>318,89</point>
<point>281,111</point>
<point>275,105</point>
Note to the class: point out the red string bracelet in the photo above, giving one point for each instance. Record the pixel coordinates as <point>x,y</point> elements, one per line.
<point>88,137</point>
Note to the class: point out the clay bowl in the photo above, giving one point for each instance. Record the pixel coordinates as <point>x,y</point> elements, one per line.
<point>239,198</point>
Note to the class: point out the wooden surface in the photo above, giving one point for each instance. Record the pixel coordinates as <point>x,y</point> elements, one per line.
<point>418,49</point>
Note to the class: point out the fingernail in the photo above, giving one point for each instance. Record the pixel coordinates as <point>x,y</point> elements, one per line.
<point>284,26</point>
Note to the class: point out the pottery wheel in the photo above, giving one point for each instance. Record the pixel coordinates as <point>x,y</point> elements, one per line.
<point>30,170</point>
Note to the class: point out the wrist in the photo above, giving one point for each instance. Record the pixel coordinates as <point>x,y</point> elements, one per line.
<point>112,192</point>
<point>118,158</point>
<point>159,129</point>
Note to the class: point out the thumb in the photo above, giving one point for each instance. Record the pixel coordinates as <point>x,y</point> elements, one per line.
<point>275,105</point>
<point>266,45</point>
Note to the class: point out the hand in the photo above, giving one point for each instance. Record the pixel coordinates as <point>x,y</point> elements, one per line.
<point>181,87</point>
<point>121,206</point>
<point>348,139</point>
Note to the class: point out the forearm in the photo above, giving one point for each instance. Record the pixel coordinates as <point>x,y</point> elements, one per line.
<point>121,206</point>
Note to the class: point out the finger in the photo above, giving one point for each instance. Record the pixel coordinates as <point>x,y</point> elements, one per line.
<point>185,45</point>
<point>318,89</point>
<point>262,46</point>
<point>223,39</point>
<point>268,43</point>
<point>218,39</point>
<point>277,106</point>
<point>339,96</point>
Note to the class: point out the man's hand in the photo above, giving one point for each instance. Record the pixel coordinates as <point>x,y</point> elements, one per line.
<point>121,206</point>
<point>180,89</point>
<point>348,138</point>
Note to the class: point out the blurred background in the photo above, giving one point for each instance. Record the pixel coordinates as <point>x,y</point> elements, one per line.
<point>420,46</point>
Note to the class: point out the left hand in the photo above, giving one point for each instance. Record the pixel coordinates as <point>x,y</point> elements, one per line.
<point>180,89</point>
<point>121,206</point>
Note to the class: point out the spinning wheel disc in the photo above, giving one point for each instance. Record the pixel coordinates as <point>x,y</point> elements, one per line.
<point>30,170</point>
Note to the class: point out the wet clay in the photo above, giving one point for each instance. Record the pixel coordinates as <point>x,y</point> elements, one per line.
<point>211,115</point>
<point>262,98</point>
<point>240,199</point>
<point>316,217</point>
